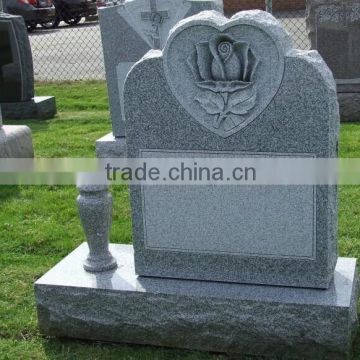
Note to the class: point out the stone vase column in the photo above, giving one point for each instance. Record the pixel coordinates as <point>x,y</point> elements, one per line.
<point>95,209</point>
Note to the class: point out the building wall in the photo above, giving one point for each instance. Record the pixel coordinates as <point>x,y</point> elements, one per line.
<point>233,6</point>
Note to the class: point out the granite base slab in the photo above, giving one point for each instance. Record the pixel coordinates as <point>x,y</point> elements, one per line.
<point>16,142</point>
<point>110,147</point>
<point>40,107</point>
<point>118,306</point>
<point>349,106</point>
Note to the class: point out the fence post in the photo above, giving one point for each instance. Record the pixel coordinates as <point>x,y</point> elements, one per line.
<point>268,6</point>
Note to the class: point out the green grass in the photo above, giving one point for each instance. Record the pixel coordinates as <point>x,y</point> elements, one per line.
<point>39,226</point>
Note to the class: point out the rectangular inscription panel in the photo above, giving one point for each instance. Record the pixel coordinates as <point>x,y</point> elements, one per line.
<point>270,221</point>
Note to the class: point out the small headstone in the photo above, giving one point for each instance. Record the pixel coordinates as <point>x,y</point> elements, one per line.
<point>15,141</point>
<point>17,75</point>
<point>129,31</point>
<point>237,269</point>
<point>185,102</point>
<point>334,30</point>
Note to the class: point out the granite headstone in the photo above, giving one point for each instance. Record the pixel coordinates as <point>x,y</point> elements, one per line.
<point>334,30</point>
<point>237,269</point>
<point>287,236</point>
<point>17,75</point>
<point>128,32</point>
<point>15,141</point>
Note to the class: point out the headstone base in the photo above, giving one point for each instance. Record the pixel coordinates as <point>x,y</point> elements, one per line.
<point>349,106</point>
<point>110,147</point>
<point>15,142</point>
<point>211,316</point>
<point>40,107</point>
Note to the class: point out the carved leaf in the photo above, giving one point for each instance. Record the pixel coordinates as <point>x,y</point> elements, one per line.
<point>242,102</point>
<point>212,103</point>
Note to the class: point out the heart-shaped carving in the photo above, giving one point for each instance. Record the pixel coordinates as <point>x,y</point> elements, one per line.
<point>225,72</point>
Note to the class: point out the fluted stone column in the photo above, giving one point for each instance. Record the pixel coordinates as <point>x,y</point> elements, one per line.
<point>95,209</point>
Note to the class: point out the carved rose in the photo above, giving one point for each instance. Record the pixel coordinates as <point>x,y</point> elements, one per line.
<point>223,64</point>
<point>225,68</point>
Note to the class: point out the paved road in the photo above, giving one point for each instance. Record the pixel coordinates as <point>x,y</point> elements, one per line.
<point>75,53</point>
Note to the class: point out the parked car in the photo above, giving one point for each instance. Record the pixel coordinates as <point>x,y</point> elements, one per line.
<point>71,11</point>
<point>33,11</point>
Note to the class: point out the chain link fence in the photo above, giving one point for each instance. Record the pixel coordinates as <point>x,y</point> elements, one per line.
<point>75,52</point>
<point>294,21</point>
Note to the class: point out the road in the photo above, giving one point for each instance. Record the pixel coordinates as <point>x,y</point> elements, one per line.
<point>75,53</point>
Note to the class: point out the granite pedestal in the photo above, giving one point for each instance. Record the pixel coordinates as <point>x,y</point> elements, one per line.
<point>349,106</point>
<point>39,107</point>
<point>212,316</point>
<point>110,147</point>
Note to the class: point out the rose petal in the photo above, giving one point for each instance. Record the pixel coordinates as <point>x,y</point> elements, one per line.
<point>242,49</point>
<point>223,86</point>
<point>253,63</point>
<point>204,60</point>
<point>192,62</point>
<point>217,67</point>
<point>233,68</point>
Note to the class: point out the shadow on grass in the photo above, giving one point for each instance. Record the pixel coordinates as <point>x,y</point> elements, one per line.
<point>8,191</point>
<point>81,349</point>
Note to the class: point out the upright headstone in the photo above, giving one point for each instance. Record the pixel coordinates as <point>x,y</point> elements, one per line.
<point>238,269</point>
<point>15,141</point>
<point>334,30</point>
<point>16,74</point>
<point>129,31</point>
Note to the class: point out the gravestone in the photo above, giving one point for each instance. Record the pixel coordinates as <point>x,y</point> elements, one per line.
<point>237,269</point>
<point>129,31</point>
<point>16,74</point>
<point>15,141</point>
<point>334,30</point>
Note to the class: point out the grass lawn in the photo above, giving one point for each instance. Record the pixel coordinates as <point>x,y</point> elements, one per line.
<point>39,226</point>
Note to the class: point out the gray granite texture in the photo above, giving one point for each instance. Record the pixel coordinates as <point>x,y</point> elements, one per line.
<point>233,318</point>
<point>15,142</point>
<point>16,66</point>
<point>110,147</point>
<point>334,30</point>
<point>301,119</point>
<point>349,106</point>
<point>130,30</point>
<point>39,107</point>
<point>95,210</point>
<point>334,25</point>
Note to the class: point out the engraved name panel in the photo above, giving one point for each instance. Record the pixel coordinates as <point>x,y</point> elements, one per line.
<point>266,221</point>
